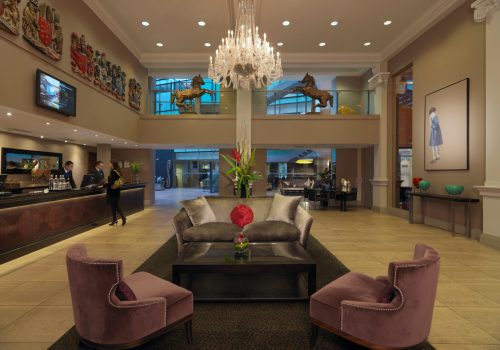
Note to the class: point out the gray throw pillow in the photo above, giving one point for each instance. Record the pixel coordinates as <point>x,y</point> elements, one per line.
<point>283,208</point>
<point>199,211</point>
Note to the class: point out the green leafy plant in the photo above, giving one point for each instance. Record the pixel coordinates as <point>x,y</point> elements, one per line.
<point>135,167</point>
<point>242,163</point>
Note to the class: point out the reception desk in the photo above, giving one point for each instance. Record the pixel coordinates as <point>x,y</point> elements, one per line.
<point>31,221</point>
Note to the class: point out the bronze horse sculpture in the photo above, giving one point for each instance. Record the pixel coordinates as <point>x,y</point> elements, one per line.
<point>189,94</point>
<point>310,89</point>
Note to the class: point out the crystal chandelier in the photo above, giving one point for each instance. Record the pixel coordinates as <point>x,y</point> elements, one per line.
<point>243,59</point>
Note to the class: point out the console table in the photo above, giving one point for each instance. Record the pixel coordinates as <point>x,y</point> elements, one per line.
<point>453,200</point>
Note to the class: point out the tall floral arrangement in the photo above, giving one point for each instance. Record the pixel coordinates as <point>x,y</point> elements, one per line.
<point>242,169</point>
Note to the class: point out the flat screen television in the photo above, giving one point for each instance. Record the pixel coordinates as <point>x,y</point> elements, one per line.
<point>20,161</point>
<point>54,94</point>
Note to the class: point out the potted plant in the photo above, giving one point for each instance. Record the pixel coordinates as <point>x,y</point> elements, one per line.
<point>135,168</point>
<point>242,163</point>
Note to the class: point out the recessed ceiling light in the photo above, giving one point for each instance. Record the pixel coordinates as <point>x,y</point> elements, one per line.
<point>322,44</point>
<point>65,141</point>
<point>85,144</point>
<point>159,44</point>
<point>96,135</point>
<point>201,23</point>
<point>367,43</point>
<point>286,23</point>
<point>47,123</point>
<point>75,130</point>
<point>207,44</point>
<point>334,23</point>
<point>112,139</point>
<point>125,143</point>
<point>42,137</point>
<point>279,44</point>
<point>8,114</point>
<point>386,23</point>
<point>145,23</point>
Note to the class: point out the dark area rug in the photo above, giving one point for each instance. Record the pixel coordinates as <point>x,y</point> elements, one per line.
<point>253,325</point>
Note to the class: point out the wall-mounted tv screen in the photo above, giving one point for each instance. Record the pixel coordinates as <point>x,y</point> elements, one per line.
<point>54,94</point>
<point>20,161</point>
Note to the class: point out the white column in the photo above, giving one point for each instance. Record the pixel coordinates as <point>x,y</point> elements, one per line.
<point>104,155</point>
<point>380,181</point>
<point>487,10</point>
<point>244,118</point>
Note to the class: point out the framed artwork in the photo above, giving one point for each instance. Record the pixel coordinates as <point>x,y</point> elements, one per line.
<point>446,128</point>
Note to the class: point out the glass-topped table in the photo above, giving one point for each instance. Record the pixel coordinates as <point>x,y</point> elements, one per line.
<point>270,271</point>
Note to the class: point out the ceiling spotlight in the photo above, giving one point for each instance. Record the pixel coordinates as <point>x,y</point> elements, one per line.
<point>367,43</point>
<point>125,143</point>
<point>47,123</point>
<point>8,114</point>
<point>159,44</point>
<point>96,135</point>
<point>85,144</point>
<point>207,44</point>
<point>279,44</point>
<point>322,44</point>
<point>112,139</point>
<point>42,137</point>
<point>65,141</point>
<point>334,23</point>
<point>386,23</point>
<point>201,23</point>
<point>286,23</point>
<point>145,23</point>
<point>75,130</point>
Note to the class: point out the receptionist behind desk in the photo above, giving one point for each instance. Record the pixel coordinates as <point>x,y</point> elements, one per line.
<point>67,172</point>
<point>98,173</point>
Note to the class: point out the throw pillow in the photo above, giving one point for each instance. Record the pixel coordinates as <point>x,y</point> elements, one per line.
<point>241,215</point>
<point>283,208</point>
<point>199,211</point>
<point>124,292</point>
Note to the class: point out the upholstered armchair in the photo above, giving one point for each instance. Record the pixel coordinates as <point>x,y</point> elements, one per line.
<point>104,321</point>
<point>393,311</point>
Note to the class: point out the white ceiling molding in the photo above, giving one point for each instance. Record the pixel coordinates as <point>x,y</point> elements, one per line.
<point>103,15</point>
<point>483,8</point>
<point>290,60</point>
<point>432,16</point>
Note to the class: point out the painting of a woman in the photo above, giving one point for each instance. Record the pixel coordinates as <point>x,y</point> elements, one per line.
<point>436,137</point>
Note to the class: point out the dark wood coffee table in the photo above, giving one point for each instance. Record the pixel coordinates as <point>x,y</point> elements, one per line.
<point>271,271</point>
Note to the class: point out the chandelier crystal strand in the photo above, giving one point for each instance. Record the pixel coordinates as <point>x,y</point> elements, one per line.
<point>244,60</point>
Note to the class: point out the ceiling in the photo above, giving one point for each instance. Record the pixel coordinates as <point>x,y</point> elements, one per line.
<point>174,23</point>
<point>34,125</point>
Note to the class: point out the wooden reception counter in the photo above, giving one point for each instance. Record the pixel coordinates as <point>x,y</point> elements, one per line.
<point>30,221</point>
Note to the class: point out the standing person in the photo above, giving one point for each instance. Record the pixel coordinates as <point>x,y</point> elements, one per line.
<point>113,194</point>
<point>98,173</point>
<point>436,138</point>
<point>67,172</point>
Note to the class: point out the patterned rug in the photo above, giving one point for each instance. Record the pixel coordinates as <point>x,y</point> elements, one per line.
<point>253,325</point>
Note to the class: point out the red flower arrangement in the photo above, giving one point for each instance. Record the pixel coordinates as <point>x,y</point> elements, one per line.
<point>236,155</point>
<point>241,215</point>
<point>416,180</point>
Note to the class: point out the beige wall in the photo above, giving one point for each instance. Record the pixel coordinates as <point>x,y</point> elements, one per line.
<point>347,166</point>
<point>146,158</point>
<point>452,50</point>
<point>95,110</point>
<point>78,154</point>
<point>314,130</point>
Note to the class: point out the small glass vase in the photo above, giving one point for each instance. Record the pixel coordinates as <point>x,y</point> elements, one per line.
<point>241,244</point>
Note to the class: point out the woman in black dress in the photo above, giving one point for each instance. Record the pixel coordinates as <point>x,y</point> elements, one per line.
<point>113,194</point>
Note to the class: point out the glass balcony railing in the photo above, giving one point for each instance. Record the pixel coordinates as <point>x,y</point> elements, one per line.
<point>342,102</point>
<point>165,102</point>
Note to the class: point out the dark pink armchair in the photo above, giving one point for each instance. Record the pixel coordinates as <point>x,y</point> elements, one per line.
<point>104,321</point>
<point>386,312</point>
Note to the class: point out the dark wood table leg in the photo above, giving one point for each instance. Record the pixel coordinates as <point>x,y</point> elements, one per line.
<point>467,220</point>
<point>422,206</point>
<point>453,219</point>
<point>410,216</point>
<point>311,283</point>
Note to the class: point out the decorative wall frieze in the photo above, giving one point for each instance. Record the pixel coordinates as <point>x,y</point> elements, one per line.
<point>483,8</point>
<point>379,79</point>
<point>9,16</point>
